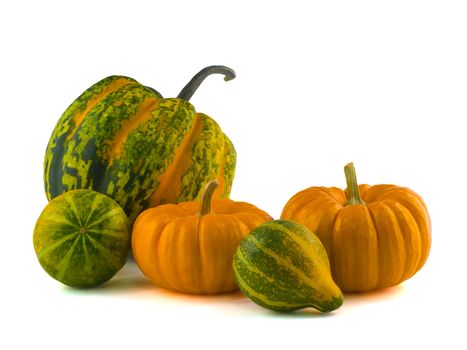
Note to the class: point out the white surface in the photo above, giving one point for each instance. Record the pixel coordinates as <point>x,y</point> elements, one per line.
<point>319,84</point>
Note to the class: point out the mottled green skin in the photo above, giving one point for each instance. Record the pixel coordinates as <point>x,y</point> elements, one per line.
<point>229,166</point>
<point>277,273</point>
<point>77,156</point>
<point>208,153</point>
<point>82,238</point>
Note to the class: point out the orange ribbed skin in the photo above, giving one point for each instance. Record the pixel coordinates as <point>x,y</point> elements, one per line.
<point>181,250</point>
<point>376,244</point>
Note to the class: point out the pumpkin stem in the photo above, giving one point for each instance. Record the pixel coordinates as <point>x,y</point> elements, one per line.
<point>207,197</point>
<point>190,88</point>
<point>352,186</point>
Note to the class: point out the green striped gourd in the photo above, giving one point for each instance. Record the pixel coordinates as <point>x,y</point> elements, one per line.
<point>283,266</point>
<point>123,139</point>
<point>82,238</point>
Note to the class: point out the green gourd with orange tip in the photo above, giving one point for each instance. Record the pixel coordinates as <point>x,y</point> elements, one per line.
<point>283,266</point>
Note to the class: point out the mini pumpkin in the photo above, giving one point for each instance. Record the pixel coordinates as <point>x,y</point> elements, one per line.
<point>189,247</point>
<point>375,236</point>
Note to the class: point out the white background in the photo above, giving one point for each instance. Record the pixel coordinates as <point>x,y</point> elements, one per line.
<point>319,84</point>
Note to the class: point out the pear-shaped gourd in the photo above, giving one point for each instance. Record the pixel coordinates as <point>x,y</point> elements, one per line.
<point>283,266</point>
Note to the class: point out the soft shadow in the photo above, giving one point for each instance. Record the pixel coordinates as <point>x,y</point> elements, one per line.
<point>245,307</point>
<point>131,281</point>
<point>303,313</point>
<point>201,298</point>
<point>128,279</point>
<point>125,284</point>
<point>351,299</point>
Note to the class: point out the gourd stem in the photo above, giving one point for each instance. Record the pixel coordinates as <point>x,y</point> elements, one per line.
<point>190,88</point>
<point>352,186</point>
<point>207,197</point>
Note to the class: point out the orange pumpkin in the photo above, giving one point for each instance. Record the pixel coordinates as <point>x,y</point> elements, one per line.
<point>189,246</point>
<point>375,236</point>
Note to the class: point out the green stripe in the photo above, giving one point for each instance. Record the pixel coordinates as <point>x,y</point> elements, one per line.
<point>59,220</point>
<point>81,102</point>
<point>279,269</point>
<point>112,232</point>
<point>277,289</point>
<point>49,248</point>
<point>87,260</point>
<point>63,265</point>
<point>86,153</point>
<point>82,161</point>
<point>252,267</point>
<point>98,220</point>
<point>96,202</point>
<point>148,152</point>
<point>286,262</point>
<point>107,254</point>
<point>230,156</point>
<point>302,240</point>
<point>207,157</point>
<point>261,299</point>
<point>71,211</point>
<point>57,146</point>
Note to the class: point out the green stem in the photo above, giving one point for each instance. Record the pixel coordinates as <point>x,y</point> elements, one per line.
<point>352,186</point>
<point>190,88</point>
<point>207,197</point>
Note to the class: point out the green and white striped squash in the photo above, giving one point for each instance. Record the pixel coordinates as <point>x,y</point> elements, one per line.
<point>283,266</point>
<point>82,238</point>
<point>123,139</point>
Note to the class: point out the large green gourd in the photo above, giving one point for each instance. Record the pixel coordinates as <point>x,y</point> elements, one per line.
<point>82,238</point>
<point>283,266</point>
<point>123,139</point>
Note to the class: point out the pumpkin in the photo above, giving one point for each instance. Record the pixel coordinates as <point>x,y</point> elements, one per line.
<point>123,139</point>
<point>188,247</point>
<point>375,236</point>
<point>82,238</point>
<point>282,266</point>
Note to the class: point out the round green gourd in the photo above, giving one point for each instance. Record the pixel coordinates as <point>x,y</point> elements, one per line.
<point>283,266</point>
<point>82,238</point>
